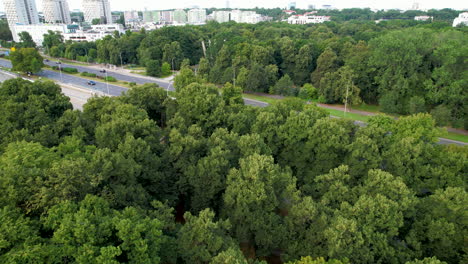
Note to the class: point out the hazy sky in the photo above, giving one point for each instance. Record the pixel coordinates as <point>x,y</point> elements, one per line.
<point>164,4</point>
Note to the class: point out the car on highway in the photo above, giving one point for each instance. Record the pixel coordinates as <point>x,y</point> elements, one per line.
<point>91,83</point>
<point>103,71</point>
<point>46,60</point>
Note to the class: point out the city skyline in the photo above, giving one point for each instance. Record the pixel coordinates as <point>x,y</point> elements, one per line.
<point>119,5</point>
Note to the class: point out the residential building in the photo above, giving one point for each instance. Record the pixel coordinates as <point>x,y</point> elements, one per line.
<point>196,16</point>
<point>166,16</point>
<point>97,9</point>
<point>423,18</point>
<point>249,17</point>
<point>131,17</point>
<point>37,31</point>
<point>462,19</point>
<point>56,11</point>
<point>95,33</point>
<point>20,12</point>
<point>180,16</point>
<point>302,19</point>
<point>221,16</point>
<point>148,16</point>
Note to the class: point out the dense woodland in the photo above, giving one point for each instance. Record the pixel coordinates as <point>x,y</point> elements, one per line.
<point>202,178</point>
<point>405,66</point>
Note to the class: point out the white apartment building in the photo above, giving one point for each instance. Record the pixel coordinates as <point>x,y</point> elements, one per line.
<point>196,16</point>
<point>165,16</point>
<point>180,16</point>
<point>131,16</point>
<point>20,12</point>
<point>462,19</point>
<point>422,18</point>
<point>302,19</point>
<point>221,16</point>
<point>93,9</point>
<point>97,32</point>
<point>56,11</point>
<point>37,31</point>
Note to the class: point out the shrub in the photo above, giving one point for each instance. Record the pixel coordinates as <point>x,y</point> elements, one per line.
<point>110,79</point>
<point>308,91</point>
<point>132,84</point>
<point>70,70</point>
<point>87,74</point>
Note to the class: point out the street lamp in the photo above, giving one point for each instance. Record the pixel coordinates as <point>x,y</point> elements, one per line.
<point>60,69</point>
<point>107,84</point>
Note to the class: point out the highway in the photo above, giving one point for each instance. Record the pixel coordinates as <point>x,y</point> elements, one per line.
<point>114,90</point>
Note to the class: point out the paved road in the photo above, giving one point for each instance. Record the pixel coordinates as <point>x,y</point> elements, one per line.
<point>118,76</point>
<point>115,90</point>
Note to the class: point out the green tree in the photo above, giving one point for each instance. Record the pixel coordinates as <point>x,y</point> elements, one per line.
<point>153,68</point>
<point>96,21</point>
<point>308,91</point>
<point>439,229</point>
<point>255,193</point>
<point>26,40</point>
<point>185,77</point>
<point>5,33</point>
<point>90,231</point>
<point>202,238</point>
<point>27,60</point>
<point>339,87</point>
<point>284,86</point>
<point>173,55</point>
<point>203,68</point>
<point>52,39</point>
<point>232,95</point>
<point>165,69</point>
<point>327,62</point>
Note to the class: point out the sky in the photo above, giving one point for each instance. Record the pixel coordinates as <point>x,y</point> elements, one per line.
<point>121,5</point>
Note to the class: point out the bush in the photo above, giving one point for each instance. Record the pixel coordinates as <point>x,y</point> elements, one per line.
<point>110,79</point>
<point>308,91</point>
<point>441,115</point>
<point>165,69</point>
<point>389,103</point>
<point>132,84</point>
<point>87,74</point>
<point>70,70</point>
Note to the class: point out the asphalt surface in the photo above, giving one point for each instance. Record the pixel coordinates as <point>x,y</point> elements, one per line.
<point>118,76</point>
<point>115,90</point>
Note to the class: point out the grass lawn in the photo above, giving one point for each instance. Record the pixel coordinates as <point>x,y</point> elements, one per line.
<point>348,115</point>
<point>265,99</point>
<point>367,108</point>
<point>457,137</point>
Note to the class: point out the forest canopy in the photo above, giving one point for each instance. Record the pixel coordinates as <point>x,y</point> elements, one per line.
<point>203,178</point>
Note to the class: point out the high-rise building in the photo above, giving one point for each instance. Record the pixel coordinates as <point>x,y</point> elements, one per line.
<point>20,12</point>
<point>196,16</point>
<point>56,11</point>
<point>94,9</point>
